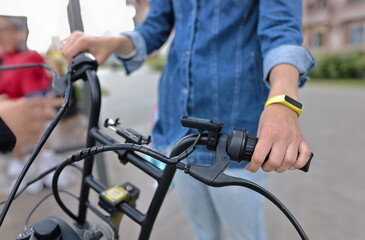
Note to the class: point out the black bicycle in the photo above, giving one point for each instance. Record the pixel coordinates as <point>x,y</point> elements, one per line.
<point>120,200</point>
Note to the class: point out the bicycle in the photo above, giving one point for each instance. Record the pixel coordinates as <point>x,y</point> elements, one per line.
<point>120,200</point>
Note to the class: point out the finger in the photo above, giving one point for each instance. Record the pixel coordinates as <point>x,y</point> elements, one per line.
<point>304,155</point>
<point>49,114</point>
<point>276,157</point>
<point>262,149</point>
<point>36,102</point>
<point>80,45</point>
<point>73,45</point>
<point>65,44</point>
<point>290,158</point>
<point>41,109</point>
<point>40,113</point>
<point>44,102</point>
<point>54,101</point>
<point>69,40</point>
<point>35,127</point>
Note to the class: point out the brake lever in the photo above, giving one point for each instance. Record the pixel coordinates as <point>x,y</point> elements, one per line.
<point>214,176</point>
<point>208,174</point>
<point>59,85</point>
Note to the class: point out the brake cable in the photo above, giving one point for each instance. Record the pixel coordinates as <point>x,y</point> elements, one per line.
<point>212,175</point>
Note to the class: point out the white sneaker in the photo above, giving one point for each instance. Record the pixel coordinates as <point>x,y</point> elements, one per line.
<point>15,167</point>
<point>35,187</point>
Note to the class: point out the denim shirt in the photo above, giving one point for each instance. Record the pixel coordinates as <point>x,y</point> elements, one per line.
<point>219,60</point>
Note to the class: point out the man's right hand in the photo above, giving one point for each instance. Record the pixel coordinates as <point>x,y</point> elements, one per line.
<point>100,46</point>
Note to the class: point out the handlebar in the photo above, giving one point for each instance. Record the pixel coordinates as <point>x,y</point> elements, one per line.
<point>240,145</point>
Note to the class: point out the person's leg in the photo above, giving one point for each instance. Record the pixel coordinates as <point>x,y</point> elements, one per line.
<point>241,210</point>
<point>197,207</point>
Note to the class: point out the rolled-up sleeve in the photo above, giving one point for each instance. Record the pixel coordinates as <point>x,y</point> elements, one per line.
<point>280,35</point>
<point>297,56</point>
<point>134,61</point>
<point>151,34</point>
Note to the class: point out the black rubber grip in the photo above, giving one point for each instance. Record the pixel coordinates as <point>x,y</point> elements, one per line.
<point>307,165</point>
<point>241,146</point>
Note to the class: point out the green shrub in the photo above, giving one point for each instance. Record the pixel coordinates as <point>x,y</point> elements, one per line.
<point>157,63</point>
<point>344,65</point>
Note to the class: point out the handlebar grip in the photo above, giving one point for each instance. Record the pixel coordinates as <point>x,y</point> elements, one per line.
<point>241,146</point>
<point>306,166</point>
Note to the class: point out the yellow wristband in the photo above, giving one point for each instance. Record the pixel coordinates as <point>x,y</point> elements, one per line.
<point>286,101</point>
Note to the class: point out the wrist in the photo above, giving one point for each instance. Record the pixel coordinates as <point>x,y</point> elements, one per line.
<point>284,86</point>
<point>123,45</point>
<point>284,80</point>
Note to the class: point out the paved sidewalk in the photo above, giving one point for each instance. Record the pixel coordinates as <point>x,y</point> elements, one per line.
<point>329,201</point>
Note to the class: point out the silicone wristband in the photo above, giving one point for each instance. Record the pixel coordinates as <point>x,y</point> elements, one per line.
<point>286,101</point>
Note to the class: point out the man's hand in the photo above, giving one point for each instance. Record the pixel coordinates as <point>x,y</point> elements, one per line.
<point>280,136</point>
<point>279,131</point>
<point>27,118</point>
<point>101,46</point>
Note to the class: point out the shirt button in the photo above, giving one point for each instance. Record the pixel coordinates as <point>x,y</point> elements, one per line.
<point>185,91</point>
<point>187,53</point>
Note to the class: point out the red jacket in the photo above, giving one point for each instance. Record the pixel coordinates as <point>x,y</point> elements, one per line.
<point>19,83</point>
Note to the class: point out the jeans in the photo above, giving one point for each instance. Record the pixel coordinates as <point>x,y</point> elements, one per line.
<point>237,210</point>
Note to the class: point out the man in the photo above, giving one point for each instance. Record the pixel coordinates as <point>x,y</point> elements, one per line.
<point>226,59</point>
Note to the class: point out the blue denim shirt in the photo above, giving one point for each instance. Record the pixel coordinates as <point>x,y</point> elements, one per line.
<point>219,61</point>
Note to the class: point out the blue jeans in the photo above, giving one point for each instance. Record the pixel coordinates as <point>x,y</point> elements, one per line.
<point>208,210</point>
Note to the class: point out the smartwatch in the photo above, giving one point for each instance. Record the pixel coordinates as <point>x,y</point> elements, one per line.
<point>287,101</point>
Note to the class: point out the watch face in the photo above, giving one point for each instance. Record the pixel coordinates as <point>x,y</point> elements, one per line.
<point>293,102</point>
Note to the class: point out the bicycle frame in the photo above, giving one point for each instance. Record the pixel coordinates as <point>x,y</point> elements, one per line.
<point>163,177</point>
<point>238,146</point>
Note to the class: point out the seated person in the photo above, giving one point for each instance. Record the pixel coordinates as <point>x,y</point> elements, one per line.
<point>26,87</point>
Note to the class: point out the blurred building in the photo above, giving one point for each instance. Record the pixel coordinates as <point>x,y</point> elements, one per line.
<point>334,25</point>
